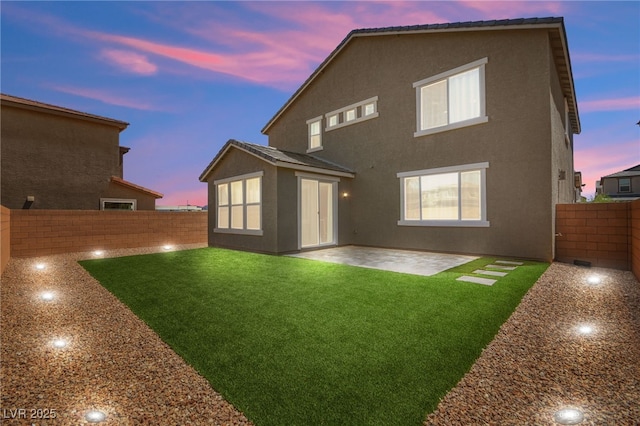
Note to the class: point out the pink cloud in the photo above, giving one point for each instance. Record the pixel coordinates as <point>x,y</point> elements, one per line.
<point>180,197</point>
<point>614,104</point>
<point>129,61</point>
<point>107,97</point>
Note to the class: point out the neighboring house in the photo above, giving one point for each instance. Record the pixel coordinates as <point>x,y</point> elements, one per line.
<point>58,158</point>
<point>621,186</point>
<point>448,137</point>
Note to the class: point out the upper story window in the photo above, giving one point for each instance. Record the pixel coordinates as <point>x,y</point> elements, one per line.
<point>239,204</point>
<point>624,185</point>
<point>446,196</point>
<point>351,114</point>
<point>451,100</point>
<point>567,122</point>
<point>315,134</point>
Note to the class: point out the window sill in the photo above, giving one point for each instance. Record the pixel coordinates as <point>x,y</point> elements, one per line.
<point>314,149</point>
<point>459,125</point>
<point>255,232</point>
<point>446,223</point>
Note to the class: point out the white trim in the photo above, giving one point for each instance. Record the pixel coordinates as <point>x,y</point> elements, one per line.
<point>133,202</point>
<point>239,177</point>
<point>309,123</point>
<point>358,106</point>
<point>335,200</point>
<point>482,118</point>
<point>446,223</point>
<point>243,180</point>
<point>317,177</point>
<point>483,222</point>
<point>449,169</point>
<point>255,232</point>
<point>447,74</point>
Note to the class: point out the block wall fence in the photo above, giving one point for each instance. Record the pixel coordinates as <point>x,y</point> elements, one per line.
<point>5,237</point>
<point>45,232</point>
<point>605,234</point>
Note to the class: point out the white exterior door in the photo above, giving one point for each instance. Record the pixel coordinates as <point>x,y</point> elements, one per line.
<point>317,212</point>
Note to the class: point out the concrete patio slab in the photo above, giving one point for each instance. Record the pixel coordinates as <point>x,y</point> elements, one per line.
<point>404,261</point>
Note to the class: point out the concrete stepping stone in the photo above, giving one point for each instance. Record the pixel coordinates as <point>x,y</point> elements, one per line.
<point>509,262</point>
<point>492,273</point>
<point>507,268</point>
<point>476,280</point>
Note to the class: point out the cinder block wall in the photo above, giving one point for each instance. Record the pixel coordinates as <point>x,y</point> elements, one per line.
<point>5,237</point>
<point>599,233</point>
<point>635,238</point>
<point>45,232</point>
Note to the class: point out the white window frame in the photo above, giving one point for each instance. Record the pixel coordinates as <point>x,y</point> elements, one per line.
<point>359,108</point>
<point>309,124</point>
<point>245,204</point>
<point>133,202</point>
<point>482,118</point>
<point>482,222</point>
<point>567,122</point>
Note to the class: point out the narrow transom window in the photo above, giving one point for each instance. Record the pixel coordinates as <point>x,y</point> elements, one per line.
<point>350,115</point>
<point>451,100</point>
<point>448,196</point>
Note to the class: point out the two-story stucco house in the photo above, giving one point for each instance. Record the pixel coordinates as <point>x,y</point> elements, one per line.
<point>449,137</point>
<point>58,158</point>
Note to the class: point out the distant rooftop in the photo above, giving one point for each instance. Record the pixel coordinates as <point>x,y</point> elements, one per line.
<point>41,106</point>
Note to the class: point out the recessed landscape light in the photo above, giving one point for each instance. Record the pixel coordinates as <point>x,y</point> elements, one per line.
<point>568,416</point>
<point>98,253</point>
<point>585,329</point>
<point>593,279</point>
<point>95,416</point>
<point>40,266</point>
<point>47,296</point>
<point>59,343</point>
<point>167,247</point>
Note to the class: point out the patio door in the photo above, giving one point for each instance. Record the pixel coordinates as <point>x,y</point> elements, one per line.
<point>317,212</point>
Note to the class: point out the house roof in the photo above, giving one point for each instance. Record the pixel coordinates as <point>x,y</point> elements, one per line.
<point>279,158</point>
<point>555,25</point>
<point>58,110</point>
<point>633,171</point>
<point>135,187</point>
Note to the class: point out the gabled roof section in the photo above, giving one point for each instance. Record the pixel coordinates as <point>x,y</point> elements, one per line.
<point>555,25</point>
<point>632,171</point>
<point>58,110</point>
<point>279,158</point>
<point>135,187</point>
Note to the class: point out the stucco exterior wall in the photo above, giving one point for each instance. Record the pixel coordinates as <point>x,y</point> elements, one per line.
<point>64,163</point>
<point>516,141</point>
<point>236,163</point>
<point>143,201</point>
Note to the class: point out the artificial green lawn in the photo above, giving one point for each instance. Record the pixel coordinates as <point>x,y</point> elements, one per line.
<point>291,341</point>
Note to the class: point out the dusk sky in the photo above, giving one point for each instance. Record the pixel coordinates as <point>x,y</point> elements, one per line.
<point>188,76</point>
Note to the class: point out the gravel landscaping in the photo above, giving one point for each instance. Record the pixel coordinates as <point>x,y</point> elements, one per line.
<point>569,344</point>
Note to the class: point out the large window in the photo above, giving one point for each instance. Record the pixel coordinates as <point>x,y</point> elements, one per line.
<point>239,204</point>
<point>315,135</point>
<point>448,196</point>
<point>451,100</point>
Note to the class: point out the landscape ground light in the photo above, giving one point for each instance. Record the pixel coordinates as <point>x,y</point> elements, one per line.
<point>95,416</point>
<point>568,416</point>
